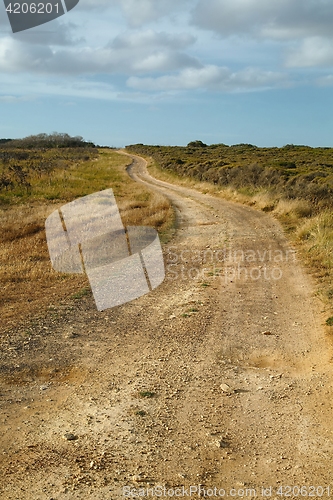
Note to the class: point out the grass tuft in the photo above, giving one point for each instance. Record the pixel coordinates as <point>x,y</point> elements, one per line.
<point>82,293</point>
<point>147,394</point>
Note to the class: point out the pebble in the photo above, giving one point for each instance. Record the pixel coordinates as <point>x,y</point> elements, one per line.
<point>70,437</point>
<point>221,444</point>
<point>225,388</point>
<point>138,479</point>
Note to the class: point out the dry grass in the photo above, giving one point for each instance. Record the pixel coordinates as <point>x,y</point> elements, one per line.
<point>297,208</point>
<point>155,212</point>
<point>315,240</point>
<point>316,234</point>
<point>29,284</point>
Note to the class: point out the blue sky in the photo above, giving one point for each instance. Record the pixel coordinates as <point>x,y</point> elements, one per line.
<point>167,72</point>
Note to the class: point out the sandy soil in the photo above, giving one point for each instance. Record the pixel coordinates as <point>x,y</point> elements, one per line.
<point>220,377</point>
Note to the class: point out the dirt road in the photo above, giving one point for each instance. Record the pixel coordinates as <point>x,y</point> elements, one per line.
<point>220,377</point>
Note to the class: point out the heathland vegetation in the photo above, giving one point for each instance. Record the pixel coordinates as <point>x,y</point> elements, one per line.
<point>39,174</point>
<point>294,183</point>
<point>31,168</point>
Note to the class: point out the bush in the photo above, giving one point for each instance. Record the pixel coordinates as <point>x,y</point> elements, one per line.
<point>196,144</point>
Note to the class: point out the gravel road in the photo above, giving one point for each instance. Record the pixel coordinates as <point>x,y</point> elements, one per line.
<point>220,377</point>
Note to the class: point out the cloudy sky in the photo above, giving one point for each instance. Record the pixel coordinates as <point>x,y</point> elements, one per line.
<point>171,71</point>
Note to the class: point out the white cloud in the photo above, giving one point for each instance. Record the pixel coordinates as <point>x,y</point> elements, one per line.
<point>34,88</point>
<point>276,19</point>
<point>163,61</point>
<point>136,53</point>
<point>325,81</point>
<point>16,56</point>
<point>13,99</point>
<point>93,4</point>
<point>210,77</point>
<point>60,34</point>
<point>314,51</point>
<point>140,12</point>
<point>151,51</point>
<point>173,55</point>
<point>150,38</point>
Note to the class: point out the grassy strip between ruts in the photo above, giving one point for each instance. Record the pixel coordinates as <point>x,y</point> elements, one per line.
<point>309,226</point>
<point>29,284</point>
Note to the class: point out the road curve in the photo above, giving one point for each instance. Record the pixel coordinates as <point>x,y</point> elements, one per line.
<point>221,376</point>
<point>264,340</point>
